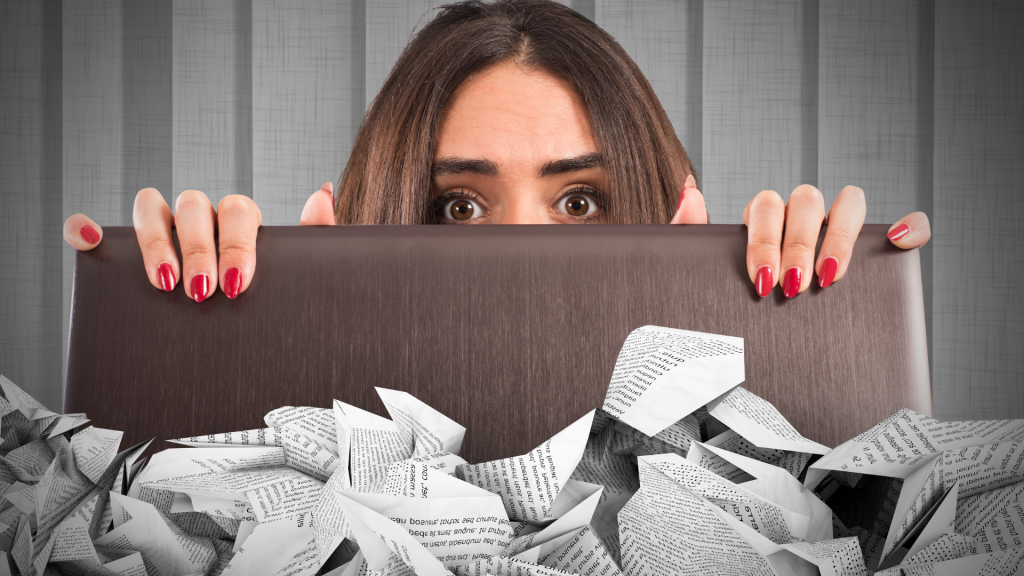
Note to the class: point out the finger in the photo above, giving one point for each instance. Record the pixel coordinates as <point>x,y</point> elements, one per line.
<point>238,218</point>
<point>194,217</point>
<point>81,232</point>
<point>805,212</point>
<point>764,216</point>
<point>692,209</point>
<point>912,231</point>
<point>319,209</point>
<point>153,220</point>
<point>845,218</point>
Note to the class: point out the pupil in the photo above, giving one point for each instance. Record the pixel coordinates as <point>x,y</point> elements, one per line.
<point>578,205</point>
<point>462,210</point>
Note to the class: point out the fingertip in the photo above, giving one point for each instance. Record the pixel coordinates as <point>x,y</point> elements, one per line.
<point>166,277</point>
<point>200,288</point>
<point>232,283</point>
<point>82,233</point>
<point>89,234</point>
<point>319,208</point>
<point>912,231</point>
<point>764,280</point>
<point>692,209</point>
<point>827,271</point>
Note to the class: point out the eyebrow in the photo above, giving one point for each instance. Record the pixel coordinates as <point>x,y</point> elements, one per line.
<point>446,166</point>
<point>583,162</point>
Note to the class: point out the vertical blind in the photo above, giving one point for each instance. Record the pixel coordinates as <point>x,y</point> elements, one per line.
<point>918,102</point>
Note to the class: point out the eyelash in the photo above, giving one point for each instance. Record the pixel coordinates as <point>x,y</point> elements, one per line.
<point>439,202</point>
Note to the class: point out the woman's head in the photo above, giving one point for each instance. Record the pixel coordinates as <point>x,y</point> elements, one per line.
<point>514,111</point>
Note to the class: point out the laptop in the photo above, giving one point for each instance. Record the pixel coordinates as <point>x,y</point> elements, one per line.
<point>512,331</point>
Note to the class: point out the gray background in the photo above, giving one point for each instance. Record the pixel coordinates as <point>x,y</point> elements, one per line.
<point>920,103</point>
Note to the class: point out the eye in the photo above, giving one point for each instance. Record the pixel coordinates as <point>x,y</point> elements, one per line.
<point>578,204</point>
<point>460,209</point>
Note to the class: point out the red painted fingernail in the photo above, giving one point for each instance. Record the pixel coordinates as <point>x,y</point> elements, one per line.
<point>232,283</point>
<point>899,232</point>
<point>764,281</point>
<point>682,196</point>
<point>791,284</point>
<point>89,234</point>
<point>200,286</point>
<point>166,275</point>
<point>828,271</point>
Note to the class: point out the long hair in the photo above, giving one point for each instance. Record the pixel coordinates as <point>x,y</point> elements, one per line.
<point>387,178</point>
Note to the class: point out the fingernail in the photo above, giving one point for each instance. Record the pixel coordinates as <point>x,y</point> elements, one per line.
<point>791,284</point>
<point>200,286</point>
<point>166,275</point>
<point>828,271</point>
<point>232,283</point>
<point>899,232</point>
<point>89,234</point>
<point>691,182</point>
<point>764,280</point>
<point>330,188</point>
<point>682,196</point>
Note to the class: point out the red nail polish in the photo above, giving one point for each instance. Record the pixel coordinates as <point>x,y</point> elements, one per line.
<point>682,196</point>
<point>899,232</point>
<point>764,281</point>
<point>200,286</point>
<point>791,284</point>
<point>232,283</point>
<point>828,271</point>
<point>166,275</point>
<point>89,234</point>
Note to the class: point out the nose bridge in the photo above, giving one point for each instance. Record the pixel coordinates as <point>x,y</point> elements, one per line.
<point>524,204</point>
<point>524,210</point>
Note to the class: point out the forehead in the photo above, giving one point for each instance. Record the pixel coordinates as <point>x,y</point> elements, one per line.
<point>514,116</point>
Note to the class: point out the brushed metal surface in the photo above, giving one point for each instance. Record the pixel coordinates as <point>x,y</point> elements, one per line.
<point>512,331</point>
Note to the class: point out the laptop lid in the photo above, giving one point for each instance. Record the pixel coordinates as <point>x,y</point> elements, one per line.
<point>512,331</point>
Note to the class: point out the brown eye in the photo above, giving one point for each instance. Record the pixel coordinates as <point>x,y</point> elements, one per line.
<point>460,209</point>
<point>578,205</point>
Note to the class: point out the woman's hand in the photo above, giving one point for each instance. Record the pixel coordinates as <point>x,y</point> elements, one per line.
<point>783,235</point>
<point>236,219</point>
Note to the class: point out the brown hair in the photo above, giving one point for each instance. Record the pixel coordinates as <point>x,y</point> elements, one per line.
<point>387,178</point>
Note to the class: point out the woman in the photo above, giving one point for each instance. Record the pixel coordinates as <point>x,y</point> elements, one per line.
<point>512,112</point>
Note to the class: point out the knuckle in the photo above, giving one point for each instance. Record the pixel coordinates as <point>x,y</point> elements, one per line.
<point>768,201</point>
<point>191,200</point>
<point>841,237</point>
<point>762,245</point>
<point>235,204</point>
<point>855,191</point>
<point>807,194</point>
<point>153,242</point>
<point>196,250</point>
<point>148,194</point>
<point>799,247</point>
<point>236,247</point>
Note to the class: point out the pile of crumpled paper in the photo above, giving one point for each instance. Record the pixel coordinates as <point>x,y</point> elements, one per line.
<point>681,471</point>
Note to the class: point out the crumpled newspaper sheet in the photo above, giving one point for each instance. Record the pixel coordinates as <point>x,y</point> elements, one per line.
<point>681,471</point>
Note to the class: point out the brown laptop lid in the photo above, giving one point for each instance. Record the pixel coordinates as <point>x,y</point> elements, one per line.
<point>512,331</point>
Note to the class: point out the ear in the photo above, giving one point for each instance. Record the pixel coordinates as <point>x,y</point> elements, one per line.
<point>691,209</point>
<point>319,209</point>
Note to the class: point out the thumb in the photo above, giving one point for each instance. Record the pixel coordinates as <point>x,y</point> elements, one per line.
<point>911,231</point>
<point>319,209</point>
<point>81,232</point>
<point>691,205</point>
